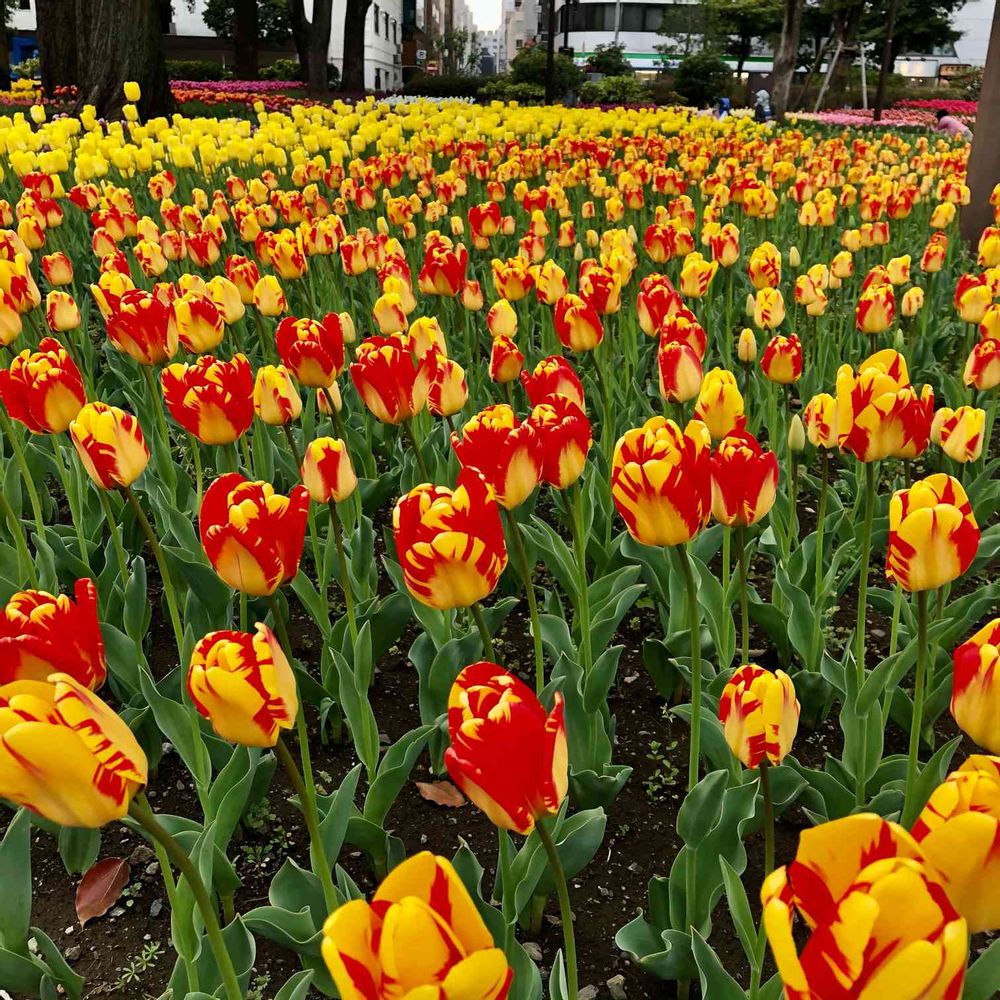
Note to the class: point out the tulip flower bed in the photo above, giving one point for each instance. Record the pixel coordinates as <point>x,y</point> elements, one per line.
<point>910,114</point>
<point>423,524</point>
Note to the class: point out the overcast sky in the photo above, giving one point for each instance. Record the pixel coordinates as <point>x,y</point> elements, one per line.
<point>486,13</point>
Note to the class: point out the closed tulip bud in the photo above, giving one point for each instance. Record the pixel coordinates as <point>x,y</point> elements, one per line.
<point>244,274</point>
<point>506,753</point>
<point>933,534</point>
<point>696,275</point>
<point>660,481</point>
<point>744,480</point>
<point>506,361</point>
<point>577,323</point>
<point>42,634</point>
<point>769,309</point>
<point>842,265</point>
<point>872,905</point>
<point>275,399</point>
<point>449,391</point>
<point>989,247</point>
<point>501,320</point>
<point>65,755</point>
<point>680,372</point>
<point>253,536</point>
<point>327,471</point>
<point>197,322</point>
<point>506,452</point>
<point>989,328</point>
<point>972,297</point>
<point>61,312</point>
<point>975,699</point>
<point>982,369</point>
<point>566,438</point>
<point>226,297</point>
<point>725,245</point>
<point>796,434</point>
<point>347,329</point>
<point>601,289</point>
<point>782,360</point>
<point>746,349</point>
<point>913,301</point>
<point>876,309</point>
<point>472,296</point>
<point>656,302</point>
<point>879,414</point>
<point>211,399</point>
<point>794,257</point>
<point>390,380</point>
<point>422,900</point>
<point>312,350</point>
<point>131,91</point>
<point>388,314</point>
<point>243,684</point>
<point>760,715</point>
<point>553,376</point>
<point>268,298</point>
<point>512,278</point>
<point>820,418</point>
<point>110,444</point>
<point>57,268</point>
<point>943,215</point>
<point>899,269</point>
<point>450,542</point>
<point>720,405</point>
<point>764,266</point>
<point>933,257</point>
<point>43,389</point>
<point>550,282</point>
<point>959,433</point>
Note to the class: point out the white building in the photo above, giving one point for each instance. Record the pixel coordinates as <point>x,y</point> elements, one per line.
<point>383,36</point>
<point>518,27</point>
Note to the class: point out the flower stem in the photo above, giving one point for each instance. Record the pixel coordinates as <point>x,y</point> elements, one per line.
<point>303,782</point>
<point>521,558</point>
<point>144,816</point>
<point>161,562</point>
<point>198,478</point>
<point>156,401</point>
<point>580,549</point>
<point>114,529</point>
<point>741,555</point>
<point>866,552</point>
<point>17,534</point>
<point>407,427</point>
<point>484,633</point>
<point>565,910</point>
<point>820,550</point>
<point>765,787</point>
<point>345,580</point>
<point>694,626</point>
<point>71,500</point>
<point>910,803</point>
<point>29,483</point>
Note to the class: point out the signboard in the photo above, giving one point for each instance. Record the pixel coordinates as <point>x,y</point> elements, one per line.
<point>567,50</point>
<point>947,70</point>
<point>432,67</point>
<point>421,55</point>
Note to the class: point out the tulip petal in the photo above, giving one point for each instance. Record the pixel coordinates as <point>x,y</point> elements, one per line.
<point>482,976</point>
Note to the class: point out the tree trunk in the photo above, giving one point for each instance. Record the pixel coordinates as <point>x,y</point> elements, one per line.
<point>300,26</point>
<point>246,28</point>
<point>984,160</point>
<point>319,45</point>
<point>886,67</point>
<point>118,41</point>
<point>786,56</point>
<point>352,77</point>
<point>57,47</point>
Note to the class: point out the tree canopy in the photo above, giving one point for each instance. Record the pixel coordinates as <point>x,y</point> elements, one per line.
<point>272,19</point>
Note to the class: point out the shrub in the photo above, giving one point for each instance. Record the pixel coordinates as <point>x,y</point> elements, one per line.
<point>610,60</point>
<point>283,69</point>
<point>703,77</point>
<point>661,91</point>
<point>195,69</point>
<point>614,90</point>
<point>446,86</point>
<point>530,64</point>
<point>27,70</point>
<point>504,89</point>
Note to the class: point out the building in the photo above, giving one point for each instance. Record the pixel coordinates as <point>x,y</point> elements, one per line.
<point>646,27</point>
<point>188,37</point>
<point>489,51</point>
<point>519,28</point>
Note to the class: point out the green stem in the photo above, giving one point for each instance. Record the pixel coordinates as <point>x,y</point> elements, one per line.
<point>71,501</point>
<point>741,556</point>
<point>407,427</point>
<point>114,529</point>
<point>503,869</point>
<point>820,551</point>
<point>866,553</point>
<point>694,626</point>
<point>168,585</point>
<point>312,821</point>
<point>156,401</point>
<point>29,483</point>
<point>294,449</point>
<point>565,910</point>
<point>303,782</point>
<point>727,538</point>
<point>484,633</point>
<point>765,787</point>
<point>910,804</point>
<point>17,534</point>
<point>198,477</point>
<point>521,559</point>
<point>345,579</point>
<point>580,549</point>
<point>191,968</point>
<point>144,816</point>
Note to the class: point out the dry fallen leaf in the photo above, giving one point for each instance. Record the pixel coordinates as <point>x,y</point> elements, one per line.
<point>100,888</point>
<point>442,793</point>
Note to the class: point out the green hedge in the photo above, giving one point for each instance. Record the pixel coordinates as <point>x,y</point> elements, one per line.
<point>196,69</point>
<point>446,86</point>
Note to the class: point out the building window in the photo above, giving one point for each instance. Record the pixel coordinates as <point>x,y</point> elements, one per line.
<point>376,19</point>
<point>25,4</point>
<point>394,26</point>
<point>378,78</point>
<point>385,23</point>
<point>671,18</point>
<point>518,43</point>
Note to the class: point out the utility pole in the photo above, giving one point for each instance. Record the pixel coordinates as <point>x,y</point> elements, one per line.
<point>550,53</point>
<point>883,73</point>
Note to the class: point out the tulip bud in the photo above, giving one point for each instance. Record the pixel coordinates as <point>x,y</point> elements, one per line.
<point>110,444</point>
<point>760,715</point>
<point>275,399</point>
<point>747,347</point>
<point>913,301</point>
<point>794,257</point>
<point>327,471</point>
<point>58,268</point>
<point>132,91</point>
<point>796,434</point>
<point>751,303</point>
<point>61,312</point>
